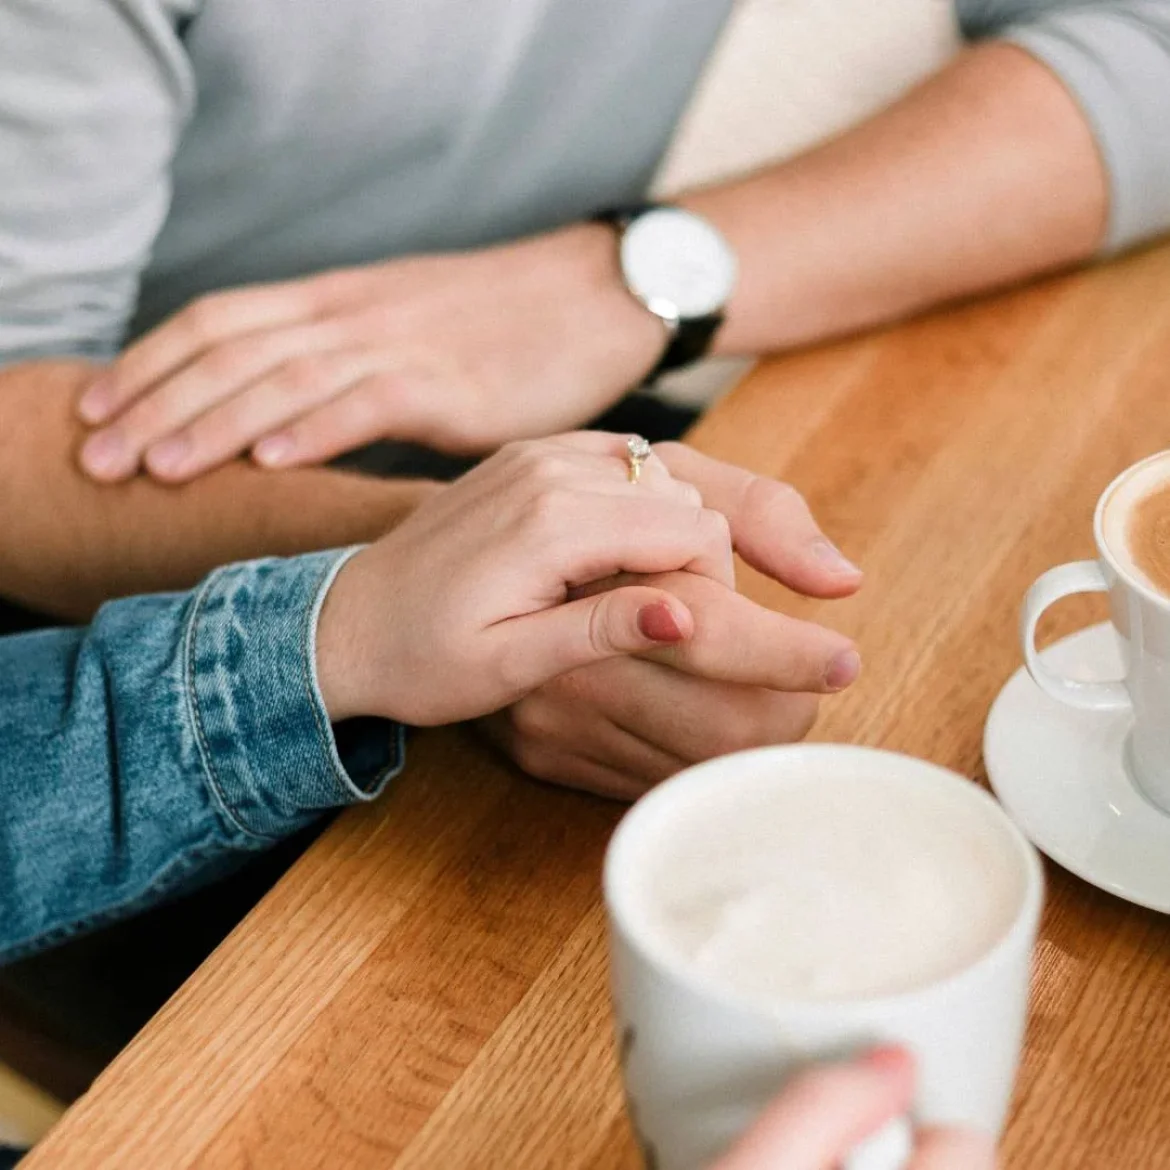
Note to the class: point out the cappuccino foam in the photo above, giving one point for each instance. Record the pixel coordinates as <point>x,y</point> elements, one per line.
<point>829,888</point>
<point>1136,524</point>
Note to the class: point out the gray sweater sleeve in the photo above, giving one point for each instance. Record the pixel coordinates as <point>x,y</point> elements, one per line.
<point>93,96</point>
<point>1114,57</point>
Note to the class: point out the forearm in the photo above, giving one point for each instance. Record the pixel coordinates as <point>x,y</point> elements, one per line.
<point>984,175</point>
<point>154,749</point>
<point>69,544</point>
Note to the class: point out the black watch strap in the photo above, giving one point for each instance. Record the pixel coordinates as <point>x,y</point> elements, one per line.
<point>692,336</point>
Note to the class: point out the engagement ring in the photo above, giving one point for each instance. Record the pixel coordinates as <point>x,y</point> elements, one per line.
<point>637,452</point>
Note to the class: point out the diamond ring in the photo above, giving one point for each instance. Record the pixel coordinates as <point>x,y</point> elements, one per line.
<point>637,452</point>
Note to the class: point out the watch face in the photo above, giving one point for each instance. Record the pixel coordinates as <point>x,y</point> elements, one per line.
<point>672,257</point>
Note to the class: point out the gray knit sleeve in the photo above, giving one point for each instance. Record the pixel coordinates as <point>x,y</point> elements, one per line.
<point>93,98</point>
<point>1114,57</point>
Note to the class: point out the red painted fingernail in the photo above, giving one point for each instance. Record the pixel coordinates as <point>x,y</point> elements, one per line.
<point>658,623</point>
<point>273,451</point>
<point>95,404</point>
<point>843,669</point>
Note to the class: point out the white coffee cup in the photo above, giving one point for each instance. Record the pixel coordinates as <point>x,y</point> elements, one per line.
<point>700,1059</point>
<point>1141,618</point>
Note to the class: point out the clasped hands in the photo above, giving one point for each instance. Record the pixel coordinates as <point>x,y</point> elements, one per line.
<point>593,623</point>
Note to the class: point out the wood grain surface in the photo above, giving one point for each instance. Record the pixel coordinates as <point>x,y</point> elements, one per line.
<point>427,987</point>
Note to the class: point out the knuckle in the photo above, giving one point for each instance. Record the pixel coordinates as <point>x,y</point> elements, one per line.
<point>600,631</point>
<point>762,492</point>
<point>300,376</point>
<point>542,464</point>
<point>533,722</point>
<point>222,363</point>
<point>535,759</point>
<point>203,317</point>
<point>716,525</point>
<point>549,512</point>
<point>742,730</point>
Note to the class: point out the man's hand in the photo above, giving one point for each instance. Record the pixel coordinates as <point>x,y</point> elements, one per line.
<point>823,1114</point>
<point>459,352</point>
<point>745,678</point>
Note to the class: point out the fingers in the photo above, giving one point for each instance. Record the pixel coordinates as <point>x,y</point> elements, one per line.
<point>554,742</point>
<point>384,403</point>
<point>737,641</point>
<point>953,1149</point>
<point>641,721</point>
<point>771,525</point>
<point>527,651</point>
<point>568,713</point>
<point>596,535</point>
<point>684,717</point>
<point>698,718</point>
<point>202,325</point>
<point>215,408</point>
<point>231,427</point>
<point>825,1112</point>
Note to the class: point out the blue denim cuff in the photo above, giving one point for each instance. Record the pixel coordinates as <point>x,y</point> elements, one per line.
<point>268,750</point>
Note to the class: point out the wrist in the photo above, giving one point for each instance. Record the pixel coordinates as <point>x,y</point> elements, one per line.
<point>623,338</point>
<point>342,645</point>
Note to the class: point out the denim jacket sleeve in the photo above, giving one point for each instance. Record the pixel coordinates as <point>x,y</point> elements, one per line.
<point>151,751</point>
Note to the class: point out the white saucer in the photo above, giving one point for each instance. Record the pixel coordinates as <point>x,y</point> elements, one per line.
<point>1061,775</point>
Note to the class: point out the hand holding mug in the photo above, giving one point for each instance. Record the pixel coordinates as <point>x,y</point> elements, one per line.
<point>825,1112</point>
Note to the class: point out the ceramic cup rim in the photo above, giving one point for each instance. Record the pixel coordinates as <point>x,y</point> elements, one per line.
<point>797,758</point>
<point>1105,552</point>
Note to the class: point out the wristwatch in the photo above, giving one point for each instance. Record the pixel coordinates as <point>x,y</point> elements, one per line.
<point>681,268</point>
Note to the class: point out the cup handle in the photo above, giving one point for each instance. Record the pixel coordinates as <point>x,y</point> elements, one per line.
<point>1063,581</point>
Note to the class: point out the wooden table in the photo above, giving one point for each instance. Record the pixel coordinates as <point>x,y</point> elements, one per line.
<point>427,987</point>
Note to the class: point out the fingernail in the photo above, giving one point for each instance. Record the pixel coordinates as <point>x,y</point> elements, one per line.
<point>170,454</point>
<point>843,669</point>
<point>658,623</point>
<point>833,558</point>
<point>273,451</point>
<point>96,402</point>
<point>103,453</point>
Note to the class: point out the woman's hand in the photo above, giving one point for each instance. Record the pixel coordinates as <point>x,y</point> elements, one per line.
<point>469,604</point>
<point>459,352</point>
<point>741,681</point>
<point>823,1114</point>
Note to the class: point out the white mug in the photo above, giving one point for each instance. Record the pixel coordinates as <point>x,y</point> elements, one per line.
<point>1141,618</point>
<point>700,1062</point>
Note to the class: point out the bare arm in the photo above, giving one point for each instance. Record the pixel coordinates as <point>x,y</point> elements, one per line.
<point>69,544</point>
<point>984,175</point>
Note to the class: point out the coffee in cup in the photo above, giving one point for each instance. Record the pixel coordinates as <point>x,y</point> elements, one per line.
<point>787,905</point>
<point>1131,527</point>
<point>1136,523</point>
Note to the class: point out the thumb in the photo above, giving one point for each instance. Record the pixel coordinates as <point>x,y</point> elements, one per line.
<point>630,620</point>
